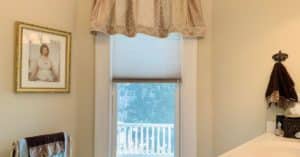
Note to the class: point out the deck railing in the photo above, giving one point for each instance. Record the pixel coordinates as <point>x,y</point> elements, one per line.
<point>145,139</point>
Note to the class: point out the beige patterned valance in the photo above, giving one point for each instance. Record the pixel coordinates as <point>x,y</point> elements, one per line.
<point>152,17</point>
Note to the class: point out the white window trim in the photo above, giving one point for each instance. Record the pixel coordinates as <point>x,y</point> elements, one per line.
<point>103,99</point>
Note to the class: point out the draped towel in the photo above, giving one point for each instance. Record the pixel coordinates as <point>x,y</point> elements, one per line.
<point>52,145</point>
<point>46,145</point>
<point>152,17</point>
<point>281,90</point>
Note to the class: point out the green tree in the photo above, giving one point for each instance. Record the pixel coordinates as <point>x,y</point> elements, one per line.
<point>146,102</point>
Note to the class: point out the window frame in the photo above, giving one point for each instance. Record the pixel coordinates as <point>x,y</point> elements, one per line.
<point>188,100</point>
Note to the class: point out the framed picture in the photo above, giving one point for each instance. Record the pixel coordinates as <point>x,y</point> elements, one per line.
<point>42,59</point>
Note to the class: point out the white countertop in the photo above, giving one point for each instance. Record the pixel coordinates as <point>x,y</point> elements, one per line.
<point>267,145</point>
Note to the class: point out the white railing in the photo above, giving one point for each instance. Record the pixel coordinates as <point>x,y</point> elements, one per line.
<point>145,139</point>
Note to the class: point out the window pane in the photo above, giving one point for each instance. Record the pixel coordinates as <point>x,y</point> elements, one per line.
<point>146,114</point>
<point>145,57</point>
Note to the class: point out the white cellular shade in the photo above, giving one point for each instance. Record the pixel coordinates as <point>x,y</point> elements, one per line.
<point>145,57</point>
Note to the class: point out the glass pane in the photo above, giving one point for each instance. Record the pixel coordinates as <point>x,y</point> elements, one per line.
<point>146,114</point>
<point>155,57</point>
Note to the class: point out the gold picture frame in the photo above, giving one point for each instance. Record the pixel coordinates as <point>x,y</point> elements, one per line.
<point>42,59</point>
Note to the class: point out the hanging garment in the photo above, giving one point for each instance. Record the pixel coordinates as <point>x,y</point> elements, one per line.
<point>281,89</point>
<point>52,145</point>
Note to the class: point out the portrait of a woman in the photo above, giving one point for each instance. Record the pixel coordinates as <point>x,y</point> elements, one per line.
<point>43,68</point>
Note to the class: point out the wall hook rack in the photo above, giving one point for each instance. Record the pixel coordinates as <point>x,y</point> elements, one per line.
<point>280,56</point>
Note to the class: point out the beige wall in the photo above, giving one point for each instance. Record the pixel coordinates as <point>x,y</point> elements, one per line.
<point>245,35</point>
<point>242,36</point>
<point>84,48</point>
<point>31,114</point>
<point>205,106</point>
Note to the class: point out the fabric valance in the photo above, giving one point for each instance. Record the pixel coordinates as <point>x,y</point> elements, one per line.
<point>152,17</point>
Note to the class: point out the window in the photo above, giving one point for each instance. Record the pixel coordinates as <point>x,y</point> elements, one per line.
<point>145,124</point>
<point>145,71</point>
<point>164,69</point>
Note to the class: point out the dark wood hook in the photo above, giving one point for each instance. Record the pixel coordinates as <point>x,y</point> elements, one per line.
<point>280,56</point>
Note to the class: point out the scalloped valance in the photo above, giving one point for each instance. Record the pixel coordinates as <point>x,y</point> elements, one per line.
<point>152,17</point>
